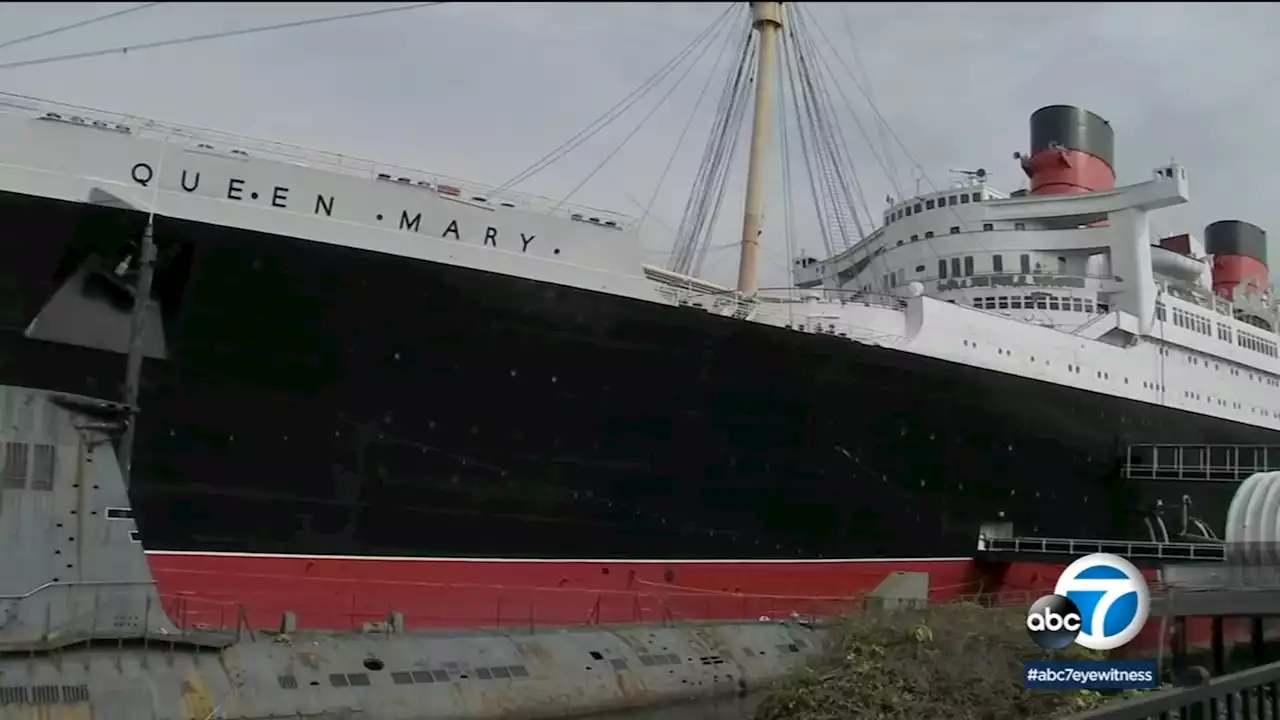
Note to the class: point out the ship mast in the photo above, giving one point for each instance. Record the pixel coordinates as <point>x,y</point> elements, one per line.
<point>766,17</point>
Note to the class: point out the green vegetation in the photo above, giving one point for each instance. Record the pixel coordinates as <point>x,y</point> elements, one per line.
<point>954,662</point>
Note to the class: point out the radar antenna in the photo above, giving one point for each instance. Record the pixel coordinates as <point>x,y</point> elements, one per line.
<point>971,177</point>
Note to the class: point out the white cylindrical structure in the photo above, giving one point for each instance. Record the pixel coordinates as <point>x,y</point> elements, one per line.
<point>767,18</point>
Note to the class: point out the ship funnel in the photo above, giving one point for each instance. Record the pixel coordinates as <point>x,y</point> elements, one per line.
<point>1239,251</point>
<point>1072,151</point>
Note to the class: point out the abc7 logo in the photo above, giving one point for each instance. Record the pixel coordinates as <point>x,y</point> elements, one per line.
<point>1053,622</point>
<point>1100,603</point>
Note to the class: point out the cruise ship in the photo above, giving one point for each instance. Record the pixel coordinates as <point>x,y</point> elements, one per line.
<point>366,386</point>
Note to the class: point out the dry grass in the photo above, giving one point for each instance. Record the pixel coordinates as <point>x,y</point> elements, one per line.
<point>955,662</point>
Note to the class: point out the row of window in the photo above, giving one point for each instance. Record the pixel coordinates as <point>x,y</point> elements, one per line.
<point>1198,323</point>
<point>965,267</point>
<point>1255,343</point>
<point>1039,302</point>
<point>930,204</point>
<point>1190,321</point>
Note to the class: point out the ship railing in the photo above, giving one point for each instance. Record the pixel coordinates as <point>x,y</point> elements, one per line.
<point>1222,463</point>
<point>1079,547</point>
<point>253,147</point>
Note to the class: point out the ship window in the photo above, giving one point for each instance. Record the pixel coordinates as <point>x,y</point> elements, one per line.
<point>968,265</point>
<point>1088,306</point>
<point>1042,303</point>
<point>988,226</point>
<point>919,268</point>
<point>1053,304</point>
<point>942,269</point>
<point>908,211</point>
<point>955,229</point>
<point>1077,305</point>
<point>919,208</point>
<point>888,219</point>
<point>15,465</point>
<point>914,238</point>
<point>1062,265</point>
<point>955,267</point>
<point>964,199</point>
<point>1025,260</point>
<point>1003,302</point>
<point>119,513</point>
<point>951,200</point>
<point>997,263</point>
<point>1019,226</point>
<point>928,234</point>
<point>977,197</point>
<point>42,468</point>
<point>1015,302</point>
<point>929,204</point>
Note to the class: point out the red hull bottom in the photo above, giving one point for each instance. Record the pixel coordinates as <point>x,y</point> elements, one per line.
<point>328,592</point>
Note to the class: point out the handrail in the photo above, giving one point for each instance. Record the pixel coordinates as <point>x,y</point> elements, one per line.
<point>1248,693</point>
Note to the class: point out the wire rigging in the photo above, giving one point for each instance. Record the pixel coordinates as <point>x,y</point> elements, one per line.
<point>620,107</point>
<point>661,101</point>
<point>693,114</point>
<point>697,220</point>
<point>892,167</point>
<point>213,36</point>
<point>79,24</point>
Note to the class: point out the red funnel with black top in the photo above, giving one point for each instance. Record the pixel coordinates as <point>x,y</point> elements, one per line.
<point>1072,151</point>
<point>1239,251</point>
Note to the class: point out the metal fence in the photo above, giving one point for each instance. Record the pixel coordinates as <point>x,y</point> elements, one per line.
<point>1248,694</point>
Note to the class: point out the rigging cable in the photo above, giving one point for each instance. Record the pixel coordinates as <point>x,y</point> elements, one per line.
<point>693,114</point>
<point>887,166</point>
<point>702,210</point>
<point>839,146</point>
<point>788,41</point>
<point>53,31</point>
<point>889,128</point>
<point>788,211</point>
<point>837,196</point>
<point>213,36</point>
<point>661,101</point>
<point>696,212</point>
<point>620,107</point>
<point>866,78</point>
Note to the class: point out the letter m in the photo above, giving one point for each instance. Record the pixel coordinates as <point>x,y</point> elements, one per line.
<point>407,223</point>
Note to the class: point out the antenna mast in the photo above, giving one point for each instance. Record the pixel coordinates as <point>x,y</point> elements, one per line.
<point>766,17</point>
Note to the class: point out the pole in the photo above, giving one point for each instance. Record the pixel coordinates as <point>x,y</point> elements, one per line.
<point>137,336</point>
<point>767,19</point>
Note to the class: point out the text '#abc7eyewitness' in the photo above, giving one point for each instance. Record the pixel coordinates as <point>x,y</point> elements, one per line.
<point>1100,602</point>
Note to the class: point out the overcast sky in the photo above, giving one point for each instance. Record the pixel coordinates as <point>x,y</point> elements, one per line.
<point>482,90</point>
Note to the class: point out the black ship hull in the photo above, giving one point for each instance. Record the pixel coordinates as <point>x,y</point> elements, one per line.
<point>321,399</point>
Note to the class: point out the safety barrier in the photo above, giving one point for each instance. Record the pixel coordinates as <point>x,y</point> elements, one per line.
<point>1247,694</point>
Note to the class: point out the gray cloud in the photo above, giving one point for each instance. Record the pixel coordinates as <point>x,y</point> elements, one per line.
<point>481,90</point>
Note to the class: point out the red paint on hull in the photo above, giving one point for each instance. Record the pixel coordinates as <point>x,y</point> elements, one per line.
<point>334,592</point>
<point>340,593</point>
